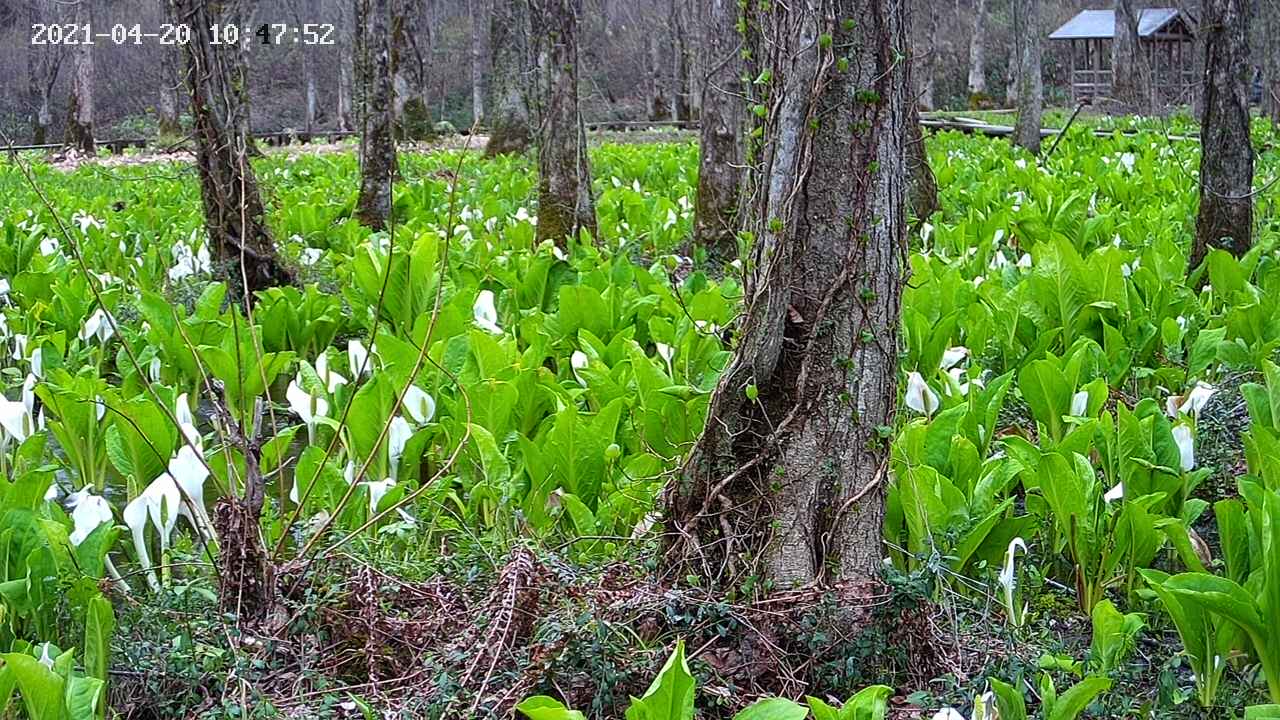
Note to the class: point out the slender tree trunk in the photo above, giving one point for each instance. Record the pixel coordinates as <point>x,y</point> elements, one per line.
<point>978,53</point>
<point>233,208</point>
<point>925,58</point>
<point>720,139</point>
<point>402,34</point>
<point>1225,219</point>
<point>377,120</point>
<point>1011,79</point>
<point>1271,60</point>
<point>1030,84</point>
<point>168,94</point>
<point>658,109</point>
<point>477,10</point>
<point>43,63</point>
<point>1130,83</point>
<point>566,204</point>
<point>924,187</point>
<point>511,73</point>
<point>788,478</point>
<point>346,115</point>
<point>80,110</point>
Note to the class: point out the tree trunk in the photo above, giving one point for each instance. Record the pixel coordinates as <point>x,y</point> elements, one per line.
<point>511,72</point>
<point>346,116</point>
<point>925,58</point>
<point>978,54</point>
<point>658,109</point>
<point>229,190</point>
<point>476,9</point>
<point>377,119</point>
<point>924,187</point>
<point>43,63</point>
<point>1225,219</point>
<point>167,96</point>
<point>788,478</point>
<point>79,133</point>
<point>720,139</point>
<point>1271,60</point>
<point>1030,84</point>
<point>566,204</point>
<point>1129,84</point>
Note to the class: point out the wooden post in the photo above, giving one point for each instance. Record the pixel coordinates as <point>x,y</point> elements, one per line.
<point>1071,78</point>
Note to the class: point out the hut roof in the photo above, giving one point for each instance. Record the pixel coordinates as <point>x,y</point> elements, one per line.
<point>1101,24</point>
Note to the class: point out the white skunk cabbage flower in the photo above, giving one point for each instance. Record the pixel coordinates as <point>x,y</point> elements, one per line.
<point>486,313</point>
<point>1080,403</point>
<point>358,358</point>
<point>577,361</point>
<point>16,420</point>
<point>100,325</point>
<point>187,467</point>
<point>948,713</point>
<point>46,658</point>
<point>1183,438</point>
<point>1193,402</point>
<point>1024,262</point>
<point>1008,580</point>
<point>304,405</point>
<point>377,490</point>
<point>310,256</point>
<point>187,263</point>
<point>1114,494</point>
<point>397,438</point>
<point>419,404</point>
<point>157,504</point>
<point>37,362</point>
<point>919,396</point>
<point>953,357</point>
<point>331,378</point>
<point>48,246</point>
<point>88,511</point>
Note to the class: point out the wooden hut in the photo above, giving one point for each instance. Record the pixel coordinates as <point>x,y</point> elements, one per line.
<point>1166,36</point>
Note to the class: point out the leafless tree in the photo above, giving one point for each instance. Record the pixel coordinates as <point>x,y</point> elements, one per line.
<point>790,470</point>
<point>566,204</point>
<point>377,120</point>
<point>511,73</point>
<point>234,216</point>
<point>1225,219</point>
<point>478,11</point>
<point>978,53</point>
<point>43,63</point>
<point>1271,59</point>
<point>80,110</point>
<point>1130,82</point>
<point>1030,82</point>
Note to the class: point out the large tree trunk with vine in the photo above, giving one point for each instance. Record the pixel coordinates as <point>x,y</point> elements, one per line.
<point>79,133</point>
<point>787,480</point>
<point>1026,131</point>
<point>233,212</point>
<point>377,115</point>
<point>510,74</point>
<point>1130,82</point>
<point>1225,219</point>
<point>566,203</point>
<point>723,114</point>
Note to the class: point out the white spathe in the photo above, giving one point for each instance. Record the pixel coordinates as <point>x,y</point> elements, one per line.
<point>357,358</point>
<point>919,396</point>
<point>1114,494</point>
<point>304,405</point>
<point>1185,440</point>
<point>377,490</point>
<point>486,312</point>
<point>1008,579</point>
<point>100,325</point>
<point>577,361</point>
<point>954,356</point>
<point>88,511</point>
<point>331,379</point>
<point>158,504</point>
<point>1080,403</point>
<point>1193,402</point>
<point>397,438</point>
<point>419,404</point>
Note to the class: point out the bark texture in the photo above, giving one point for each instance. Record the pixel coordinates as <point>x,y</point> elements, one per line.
<point>79,133</point>
<point>168,95</point>
<point>377,117</point>
<point>720,139</point>
<point>925,59</point>
<point>511,72</point>
<point>1225,219</point>
<point>43,63</point>
<point>233,208</point>
<point>1271,60</point>
<point>566,204</point>
<point>924,187</point>
<point>346,71</point>
<point>1030,83</point>
<point>978,52</point>
<point>790,484</point>
<point>1130,83</point>
<point>477,10</point>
